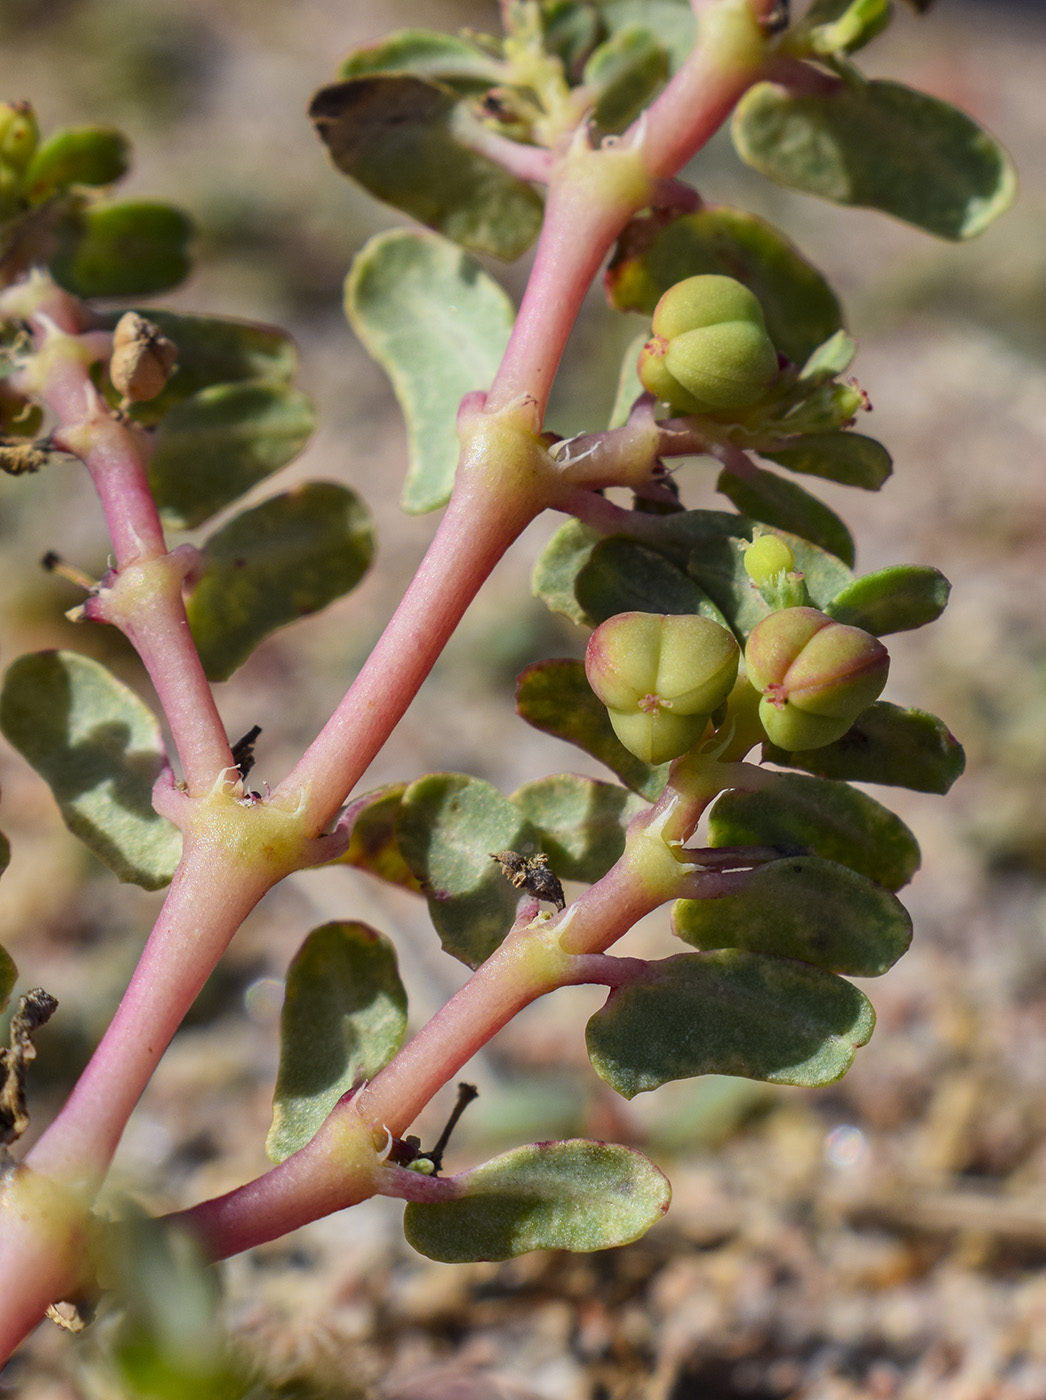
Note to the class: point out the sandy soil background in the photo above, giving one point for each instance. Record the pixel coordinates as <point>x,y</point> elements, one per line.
<point>883,1238</point>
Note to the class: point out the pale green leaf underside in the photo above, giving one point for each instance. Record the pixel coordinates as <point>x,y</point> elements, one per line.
<point>99,749</point>
<point>438,325</point>
<point>575,1195</point>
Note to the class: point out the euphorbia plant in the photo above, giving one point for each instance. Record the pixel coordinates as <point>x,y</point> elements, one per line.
<point>569,129</point>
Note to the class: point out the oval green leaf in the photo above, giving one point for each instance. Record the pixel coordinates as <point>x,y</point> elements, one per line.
<point>212,350</point>
<point>427,54</point>
<point>896,599</point>
<point>449,824</point>
<point>438,325</point>
<point>803,815</point>
<point>769,498</point>
<point>805,908</point>
<point>623,75</point>
<point>78,155</point>
<point>621,575</point>
<point>99,749</point>
<point>285,559</point>
<point>887,744</point>
<point>395,134</point>
<point>729,1012</point>
<point>555,697</point>
<point>580,823</point>
<point>344,1017</point>
<point>575,1195</point>
<point>880,145</point>
<point>122,250</point>
<point>846,457</point>
<point>373,844</point>
<point>658,250</point>
<point>839,26</point>
<point>557,567</point>
<point>213,447</point>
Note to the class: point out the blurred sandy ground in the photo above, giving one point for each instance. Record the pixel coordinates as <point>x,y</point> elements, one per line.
<point>883,1238</point>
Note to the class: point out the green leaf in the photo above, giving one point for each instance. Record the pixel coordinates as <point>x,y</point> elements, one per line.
<point>286,558</point>
<point>130,249</point>
<point>438,326</point>
<point>624,74</point>
<point>814,815</point>
<point>880,145</point>
<point>216,351</point>
<point>887,744</point>
<point>558,566</point>
<point>729,1012</point>
<point>397,136</point>
<point>658,250</point>
<point>767,497</point>
<point>99,749</point>
<point>624,576</point>
<point>213,447</point>
<point>629,386</point>
<point>805,908</point>
<point>717,564</point>
<point>425,53</point>
<point>373,844</point>
<point>842,456</point>
<point>839,26</point>
<point>580,822</point>
<point>896,599</point>
<point>571,32</point>
<point>555,697</point>
<point>449,825</point>
<point>77,155</point>
<point>831,359</point>
<point>344,1017</point>
<point>574,1195</point>
<point>671,20</point>
<point>8,971</point>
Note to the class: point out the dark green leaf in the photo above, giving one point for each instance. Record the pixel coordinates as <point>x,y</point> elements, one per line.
<point>343,1019</point>
<point>77,155</point>
<point>842,456</point>
<point>397,136</point>
<point>373,845</point>
<point>805,908</point>
<point>624,576</point>
<point>286,558</point>
<point>815,815</point>
<point>887,744</point>
<point>100,751</point>
<point>839,26</point>
<point>671,20</point>
<point>122,250</point>
<point>580,823</point>
<point>658,250</point>
<point>717,564</point>
<point>438,326</point>
<point>574,1195</point>
<point>8,971</point>
<point>425,53</point>
<point>767,497</point>
<point>215,351</point>
<point>213,447</point>
<point>624,73</point>
<point>729,1012</point>
<point>555,697</point>
<point>881,145</point>
<point>449,825</point>
<point>892,600</point>
<point>571,32</point>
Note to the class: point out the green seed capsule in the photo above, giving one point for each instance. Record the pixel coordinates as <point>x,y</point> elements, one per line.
<point>815,675</point>
<point>710,352</point>
<point>660,678</point>
<point>19,135</point>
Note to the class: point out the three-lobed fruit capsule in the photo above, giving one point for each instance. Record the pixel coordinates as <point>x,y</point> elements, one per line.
<point>710,351</point>
<point>660,678</point>
<point>815,676</point>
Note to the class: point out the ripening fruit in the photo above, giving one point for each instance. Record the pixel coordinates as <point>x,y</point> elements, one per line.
<point>660,678</point>
<point>19,135</point>
<point>815,675</point>
<point>767,557</point>
<point>710,352</point>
